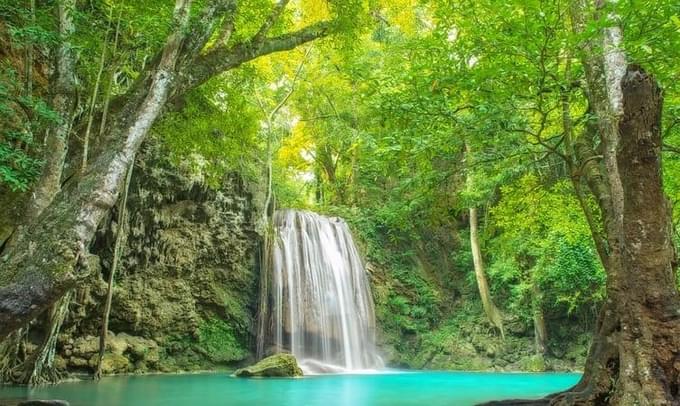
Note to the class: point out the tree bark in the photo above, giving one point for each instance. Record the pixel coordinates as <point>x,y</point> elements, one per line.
<point>635,355</point>
<point>63,102</point>
<point>540,330</point>
<point>635,358</point>
<point>490,309</point>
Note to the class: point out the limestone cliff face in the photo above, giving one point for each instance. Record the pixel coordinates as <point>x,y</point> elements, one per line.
<point>186,288</point>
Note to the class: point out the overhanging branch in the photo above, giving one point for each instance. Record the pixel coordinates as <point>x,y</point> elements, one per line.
<point>223,59</point>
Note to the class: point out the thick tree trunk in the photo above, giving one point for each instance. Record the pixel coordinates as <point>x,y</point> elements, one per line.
<point>648,304</point>
<point>490,309</point>
<point>635,357</point>
<point>48,259</point>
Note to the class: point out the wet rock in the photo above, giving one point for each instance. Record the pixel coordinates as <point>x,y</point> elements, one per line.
<point>278,365</point>
<point>533,363</point>
<point>44,403</point>
<point>112,363</point>
<point>123,353</point>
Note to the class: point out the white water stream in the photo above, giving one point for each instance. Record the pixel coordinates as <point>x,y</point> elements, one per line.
<point>321,309</point>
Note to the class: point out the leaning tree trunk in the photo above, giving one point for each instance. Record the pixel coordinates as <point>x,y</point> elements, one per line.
<point>50,257</point>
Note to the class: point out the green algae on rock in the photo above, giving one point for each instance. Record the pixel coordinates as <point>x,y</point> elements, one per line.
<point>278,365</point>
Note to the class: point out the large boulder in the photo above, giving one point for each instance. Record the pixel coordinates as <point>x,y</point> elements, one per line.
<point>281,365</point>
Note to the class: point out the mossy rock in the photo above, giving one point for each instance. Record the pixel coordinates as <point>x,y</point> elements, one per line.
<point>112,363</point>
<point>534,363</point>
<point>280,365</point>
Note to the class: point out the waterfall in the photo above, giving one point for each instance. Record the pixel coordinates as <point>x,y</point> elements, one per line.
<point>318,304</point>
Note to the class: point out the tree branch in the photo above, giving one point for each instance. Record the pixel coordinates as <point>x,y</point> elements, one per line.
<point>292,87</point>
<point>269,22</point>
<point>205,27</point>
<point>223,59</point>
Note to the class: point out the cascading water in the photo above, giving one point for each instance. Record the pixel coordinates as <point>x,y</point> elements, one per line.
<point>317,302</point>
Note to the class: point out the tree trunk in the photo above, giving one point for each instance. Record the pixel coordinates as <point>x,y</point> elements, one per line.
<point>63,102</point>
<point>540,330</point>
<point>635,355</point>
<point>48,259</point>
<point>490,309</point>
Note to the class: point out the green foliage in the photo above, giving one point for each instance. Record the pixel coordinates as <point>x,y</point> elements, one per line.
<point>574,278</point>
<point>21,116</point>
<point>217,340</point>
<point>17,169</point>
<point>550,250</point>
<point>411,304</point>
<point>214,134</point>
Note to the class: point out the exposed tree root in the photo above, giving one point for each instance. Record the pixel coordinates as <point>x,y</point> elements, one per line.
<point>39,367</point>
<point>12,354</point>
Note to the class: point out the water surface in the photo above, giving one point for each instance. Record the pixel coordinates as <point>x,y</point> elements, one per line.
<point>389,389</point>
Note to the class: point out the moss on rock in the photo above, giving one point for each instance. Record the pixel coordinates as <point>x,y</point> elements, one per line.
<point>278,365</point>
<point>185,294</point>
<point>534,363</point>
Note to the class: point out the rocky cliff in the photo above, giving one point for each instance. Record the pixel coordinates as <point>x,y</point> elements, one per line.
<point>186,288</point>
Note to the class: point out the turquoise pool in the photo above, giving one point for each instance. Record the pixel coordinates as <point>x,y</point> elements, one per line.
<point>385,389</point>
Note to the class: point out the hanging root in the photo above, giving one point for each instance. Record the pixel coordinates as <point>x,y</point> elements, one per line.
<point>12,353</point>
<point>39,368</point>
